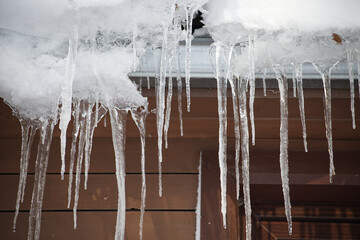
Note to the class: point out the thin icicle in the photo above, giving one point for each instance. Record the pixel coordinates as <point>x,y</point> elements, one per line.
<point>179,92</point>
<point>234,94</point>
<point>326,77</point>
<point>252,58</point>
<point>80,156</point>
<point>147,72</point>
<point>118,128</point>
<point>198,202</point>
<point>245,154</point>
<point>139,118</point>
<point>189,17</point>
<point>350,58</point>
<point>46,131</point>
<point>66,95</point>
<point>75,134</point>
<point>264,81</point>
<point>298,72</point>
<point>27,135</point>
<point>284,142</point>
<point>294,82</point>
<point>222,111</point>
<point>168,106</point>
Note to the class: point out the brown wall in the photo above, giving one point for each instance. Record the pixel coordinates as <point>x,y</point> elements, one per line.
<point>173,215</point>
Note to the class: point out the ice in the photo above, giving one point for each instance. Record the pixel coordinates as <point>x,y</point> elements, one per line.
<point>139,117</point>
<point>350,59</point>
<point>168,107</point>
<point>284,142</point>
<point>294,82</point>
<point>66,94</point>
<point>46,131</point>
<point>264,81</point>
<point>222,111</point>
<point>198,202</point>
<point>28,131</point>
<point>118,127</point>
<point>189,16</point>
<point>325,73</point>
<point>245,153</point>
<point>298,74</point>
<point>234,94</point>
<point>179,92</point>
<point>252,58</point>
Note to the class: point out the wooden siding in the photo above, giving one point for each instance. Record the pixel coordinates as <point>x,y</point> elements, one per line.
<point>173,215</point>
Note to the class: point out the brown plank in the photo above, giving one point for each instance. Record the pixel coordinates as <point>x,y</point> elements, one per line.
<point>208,128</point>
<point>176,160</point>
<point>212,222</point>
<point>179,192</point>
<point>311,230</point>
<point>347,213</point>
<point>101,225</point>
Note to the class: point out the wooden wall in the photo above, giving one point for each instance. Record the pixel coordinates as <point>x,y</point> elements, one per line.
<point>173,215</point>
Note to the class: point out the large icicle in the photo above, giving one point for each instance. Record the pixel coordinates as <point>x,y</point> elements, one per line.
<point>222,111</point>
<point>179,91</point>
<point>326,77</point>
<point>350,58</point>
<point>298,73</point>
<point>66,94</point>
<point>234,94</point>
<point>168,105</point>
<point>284,142</point>
<point>252,58</point>
<point>46,131</point>
<point>75,134</point>
<point>245,153</point>
<point>189,16</point>
<point>198,202</point>
<point>139,118</point>
<point>118,128</point>
<point>28,131</point>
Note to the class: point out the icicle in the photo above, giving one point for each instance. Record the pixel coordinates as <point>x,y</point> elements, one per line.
<point>189,17</point>
<point>236,120</point>
<point>26,144</point>
<point>105,120</point>
<point>75,134</point>
<point>80,155</point>
<point>118,128</point>
<point>252,84</point>
<point>168,106</point>
<point>284,142</point>
<point>350,58</point>
<point>298,72</point>
<point>139,118</point>
<point>222,110</point>
<point>160,59</point>
<point>147,72</point>
<point>294,82</point>
<point>326,77</point>
<point>88,138</point>
<point>198,202</point>
<point>264,81</point>
<point>179,92</point>
<point>245,154</point>
<point>42,158</point>
<point>66,95</point>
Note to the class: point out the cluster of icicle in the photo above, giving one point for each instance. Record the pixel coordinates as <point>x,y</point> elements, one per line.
<point>236,64</point>
<point>87,112</point>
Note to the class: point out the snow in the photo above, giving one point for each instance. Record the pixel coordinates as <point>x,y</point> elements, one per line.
<point>53,66</point>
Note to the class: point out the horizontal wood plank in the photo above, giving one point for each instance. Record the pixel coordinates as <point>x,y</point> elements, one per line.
<point>102,192</point>
<point>101,225</point>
